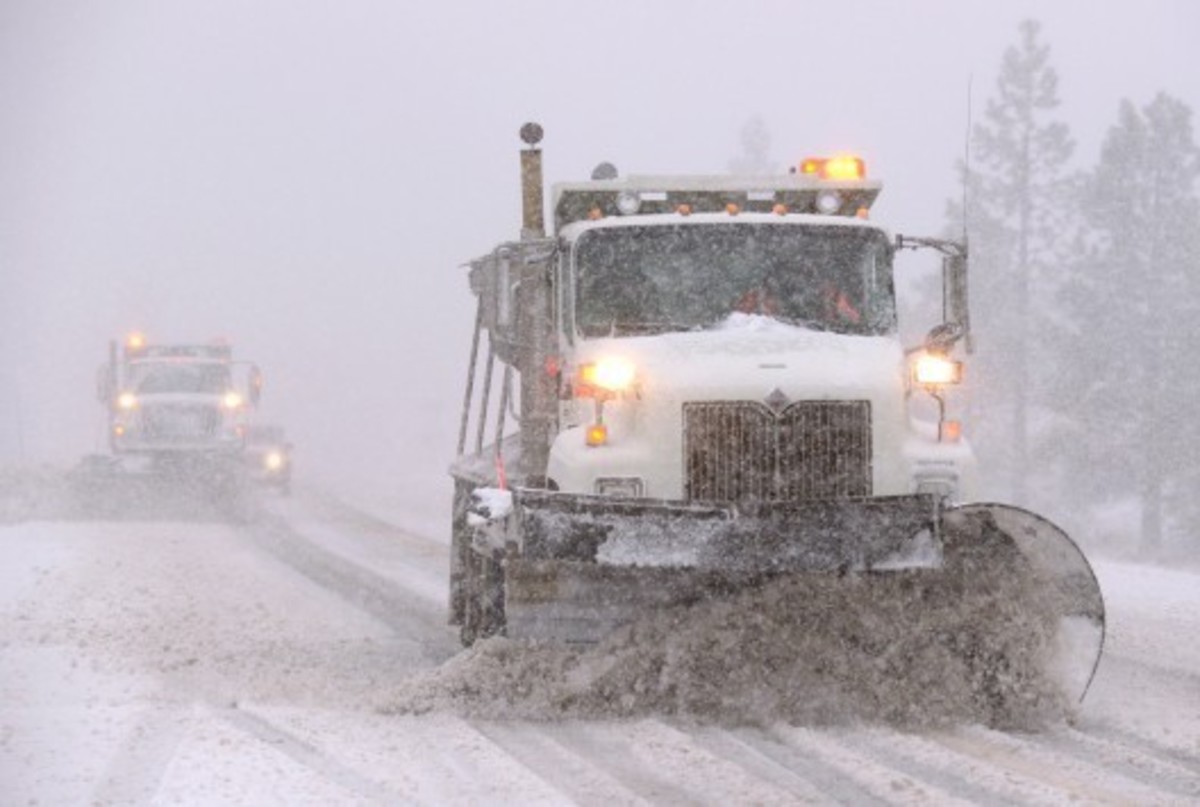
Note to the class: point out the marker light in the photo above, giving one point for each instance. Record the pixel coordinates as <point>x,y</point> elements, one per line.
<point>684,210</point>
<point>844,168</point>
<point>611,374</point>
<point>834,167</point>
<point>780,210</point>
<point>931,370</point>
<point>597,435</point>
<point>732,209</point>
<point>595,214</point>
<point>231,400</point>
<point>127,401</point>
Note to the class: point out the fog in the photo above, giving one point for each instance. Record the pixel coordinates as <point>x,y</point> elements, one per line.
<point>305,179</point>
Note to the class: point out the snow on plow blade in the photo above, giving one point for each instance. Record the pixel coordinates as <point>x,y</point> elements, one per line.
<point>1006,591</point>
<point>587,564</point>
<point>1052,580</point>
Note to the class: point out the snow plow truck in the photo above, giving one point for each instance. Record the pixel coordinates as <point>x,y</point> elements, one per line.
<point>690,386</point>
<point>176,417</point>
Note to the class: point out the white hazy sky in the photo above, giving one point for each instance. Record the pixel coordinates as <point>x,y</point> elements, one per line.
<point>304,178</point>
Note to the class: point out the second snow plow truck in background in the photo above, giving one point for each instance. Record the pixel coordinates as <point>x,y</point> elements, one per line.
<point>176,417</point>
<point>711,395</point>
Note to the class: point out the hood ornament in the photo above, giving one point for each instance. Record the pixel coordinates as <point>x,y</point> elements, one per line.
<point>776,401</point>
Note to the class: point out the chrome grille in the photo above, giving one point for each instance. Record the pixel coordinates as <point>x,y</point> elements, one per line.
<point>742,450</point>
<point>179,422</point>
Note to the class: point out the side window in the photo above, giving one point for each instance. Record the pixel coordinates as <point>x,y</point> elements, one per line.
<point>564,295</point>
<point>879,285</point>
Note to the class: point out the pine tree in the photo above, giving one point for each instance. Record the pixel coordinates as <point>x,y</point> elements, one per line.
<point>1135,295</point>
<point>755,158</point>
<point>1015,219</point>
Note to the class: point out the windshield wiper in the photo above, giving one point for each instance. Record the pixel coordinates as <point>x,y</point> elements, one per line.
<point>799,322</point>
<point>645,328</point>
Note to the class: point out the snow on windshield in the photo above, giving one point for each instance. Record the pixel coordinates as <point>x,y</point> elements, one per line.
<point>642,279</point>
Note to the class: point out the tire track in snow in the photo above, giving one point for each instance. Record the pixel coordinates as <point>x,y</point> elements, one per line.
<point>932,763</point>
<point>615,749</point>
<point>1131,756</point>
<point>861,773</point>
<point>772,762</point>
<point>306,754</point>
<point>1150,747</point>
<point>577,777</point>
<point>408,614</point>
<point>1032,764</point>
<point>137,770</point>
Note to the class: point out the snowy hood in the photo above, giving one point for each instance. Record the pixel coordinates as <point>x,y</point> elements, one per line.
<point>749,356</point>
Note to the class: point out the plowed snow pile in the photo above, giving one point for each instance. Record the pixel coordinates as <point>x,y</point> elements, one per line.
<point>900,649</point>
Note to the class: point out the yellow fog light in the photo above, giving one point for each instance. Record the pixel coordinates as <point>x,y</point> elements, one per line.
<point>931,370</point>
<point>597,435</point>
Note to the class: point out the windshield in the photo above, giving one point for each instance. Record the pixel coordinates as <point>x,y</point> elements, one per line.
<point>655,278</point>
<point>156,378</point>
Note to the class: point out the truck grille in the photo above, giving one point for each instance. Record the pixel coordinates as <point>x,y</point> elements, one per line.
<point>179,422</point>
<point>743,450</point>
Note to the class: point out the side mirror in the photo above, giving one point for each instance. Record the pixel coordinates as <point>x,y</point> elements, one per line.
<point>957,311</point>
<point>943,337</point>
<point>105,384</point>
<point>256,383</point>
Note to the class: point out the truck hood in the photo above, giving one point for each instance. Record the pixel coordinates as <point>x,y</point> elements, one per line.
<point>748,357</point>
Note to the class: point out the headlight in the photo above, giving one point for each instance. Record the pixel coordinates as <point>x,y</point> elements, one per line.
<point>127,401</point>
<point>273,460</point>
<point>610,374</point>
<point>231,400</point>
<point>931,370</point>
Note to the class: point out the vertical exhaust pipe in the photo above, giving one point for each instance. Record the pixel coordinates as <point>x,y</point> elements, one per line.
<point>533,222</point>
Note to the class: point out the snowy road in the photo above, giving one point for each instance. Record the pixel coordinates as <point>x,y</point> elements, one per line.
<point>191,662</point>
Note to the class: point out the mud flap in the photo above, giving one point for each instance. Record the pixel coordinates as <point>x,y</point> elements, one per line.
<point>1055,581</point>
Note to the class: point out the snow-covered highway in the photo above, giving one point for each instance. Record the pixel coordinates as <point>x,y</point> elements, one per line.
<point>164,662</point>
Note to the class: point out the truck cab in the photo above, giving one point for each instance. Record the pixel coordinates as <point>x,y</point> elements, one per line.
<point>724,338</point>
<point>177,398</point>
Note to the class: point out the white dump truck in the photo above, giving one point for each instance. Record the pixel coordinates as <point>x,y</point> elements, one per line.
<point>176,418</point>
<point>701,389</point>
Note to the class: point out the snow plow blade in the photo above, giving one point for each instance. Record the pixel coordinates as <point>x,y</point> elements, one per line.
<point>1002,588</point>
<point>587,564</point>
<point>203,487</point>
<point>1049,584</point>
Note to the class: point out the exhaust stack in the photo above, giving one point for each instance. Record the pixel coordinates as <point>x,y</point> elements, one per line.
<point>533,223</point>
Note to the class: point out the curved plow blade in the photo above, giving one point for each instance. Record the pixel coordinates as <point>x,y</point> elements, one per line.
<point>1067,588</point>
